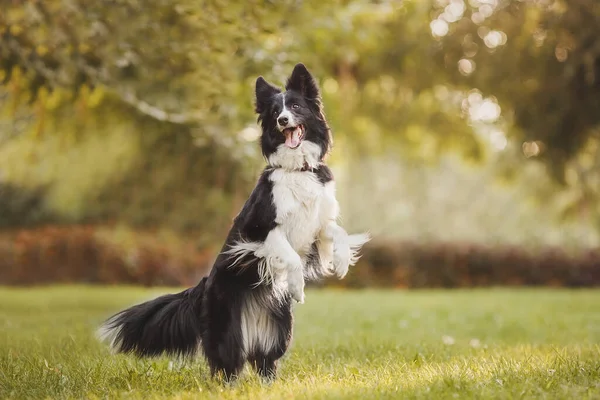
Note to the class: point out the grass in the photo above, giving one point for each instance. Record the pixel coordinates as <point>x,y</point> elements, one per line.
<point>496,343</point>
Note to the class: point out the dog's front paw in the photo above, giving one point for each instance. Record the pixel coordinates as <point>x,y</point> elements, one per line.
<point>341,260</point>
<point>346,253</point>
<point>291,261</point>
<point>296,285</point>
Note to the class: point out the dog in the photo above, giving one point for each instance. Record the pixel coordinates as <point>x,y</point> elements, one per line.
<point>286,232</point>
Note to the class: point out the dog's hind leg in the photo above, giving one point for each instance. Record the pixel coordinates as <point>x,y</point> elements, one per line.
<point>228,368</point>
<point>225,358</point>
<point>265,365</point>
<point>264,360</point>
<point>221,339</point>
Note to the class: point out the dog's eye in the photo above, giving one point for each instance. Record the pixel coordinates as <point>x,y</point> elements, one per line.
<point>295,106</point>
<point>275,113</point>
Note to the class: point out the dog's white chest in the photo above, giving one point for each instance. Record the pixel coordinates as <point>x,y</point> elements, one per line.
<point>299,198</point>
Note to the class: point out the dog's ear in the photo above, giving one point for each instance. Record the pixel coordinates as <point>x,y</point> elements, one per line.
<point>302,81</point>
<point>264,92</point>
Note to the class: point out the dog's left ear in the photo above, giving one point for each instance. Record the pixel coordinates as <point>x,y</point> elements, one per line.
<point>264,94</point>
<point>302,81</point>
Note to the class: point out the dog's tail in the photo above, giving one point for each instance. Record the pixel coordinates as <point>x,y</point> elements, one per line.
<point>169,324</point>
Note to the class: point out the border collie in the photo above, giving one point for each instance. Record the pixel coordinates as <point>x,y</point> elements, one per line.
<point>285,233</point>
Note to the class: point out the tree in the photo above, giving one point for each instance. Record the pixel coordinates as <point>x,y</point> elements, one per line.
<point>166,89</point>
<point>541,59</point>
<point>143,98</point>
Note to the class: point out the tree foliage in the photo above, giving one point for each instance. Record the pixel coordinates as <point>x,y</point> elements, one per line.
<point>152,100</point>
<point>157,55</point>
<point>541,59</point>
<point>134,94</point>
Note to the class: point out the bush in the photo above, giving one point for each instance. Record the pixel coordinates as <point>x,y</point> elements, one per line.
<point>20,206</point>
<point>84,254</point>
<point>92,254</point>
<point>451,265</point>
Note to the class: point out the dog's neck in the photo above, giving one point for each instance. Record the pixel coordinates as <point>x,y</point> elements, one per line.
<point>303,158</point>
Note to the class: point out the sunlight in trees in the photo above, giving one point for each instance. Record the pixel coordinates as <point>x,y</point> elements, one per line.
<point>416,79</point>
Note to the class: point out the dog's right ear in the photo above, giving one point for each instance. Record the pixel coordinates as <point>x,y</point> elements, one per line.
<point>264,92</point>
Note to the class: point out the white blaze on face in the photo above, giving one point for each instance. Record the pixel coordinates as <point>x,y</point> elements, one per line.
<point>285,113</point>
<point>287,124</point>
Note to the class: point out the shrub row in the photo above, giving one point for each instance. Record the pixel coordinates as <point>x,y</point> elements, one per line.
<point>83,254</point>
<point>451,265</point>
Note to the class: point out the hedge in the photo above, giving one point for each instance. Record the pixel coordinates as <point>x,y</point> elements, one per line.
<point>83,254</point>
<point>452,265</point>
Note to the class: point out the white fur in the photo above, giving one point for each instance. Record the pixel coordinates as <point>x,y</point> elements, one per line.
<point>345,250</point>
<point>329,213</point>
<point>286,113</point>
<point>277,260</point>
<point>280,263</point>
<point>107,334</point>
<point>297,197</point>
<point>337,250</point>
<point>241,249</point>
<point>306,211</point>
<point>259,332</point>
<point>294,159</point>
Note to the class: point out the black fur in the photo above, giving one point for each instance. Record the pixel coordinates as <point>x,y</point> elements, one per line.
<point>209,315</point>
<point>323,173</point>
<point>170,323</point>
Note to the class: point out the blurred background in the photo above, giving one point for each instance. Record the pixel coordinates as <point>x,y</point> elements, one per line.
<point>466,135</point>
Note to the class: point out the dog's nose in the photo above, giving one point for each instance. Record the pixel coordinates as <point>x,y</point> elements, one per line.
<point>282,121</point>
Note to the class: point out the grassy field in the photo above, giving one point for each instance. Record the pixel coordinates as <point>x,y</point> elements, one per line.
<point>494,343</point>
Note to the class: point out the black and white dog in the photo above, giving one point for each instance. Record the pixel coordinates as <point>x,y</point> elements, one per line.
<point>286,232</point>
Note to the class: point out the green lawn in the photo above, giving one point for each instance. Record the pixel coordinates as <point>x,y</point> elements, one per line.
<point>494,343</point>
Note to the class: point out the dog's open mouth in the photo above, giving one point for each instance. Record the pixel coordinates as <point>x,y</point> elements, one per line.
<point>293,136</point>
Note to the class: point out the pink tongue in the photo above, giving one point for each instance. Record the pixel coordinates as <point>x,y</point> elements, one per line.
<point>292,139</point>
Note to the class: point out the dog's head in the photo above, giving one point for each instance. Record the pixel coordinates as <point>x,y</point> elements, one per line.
<point>295,134</point>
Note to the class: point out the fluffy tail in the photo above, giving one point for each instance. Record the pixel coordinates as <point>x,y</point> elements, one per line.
<point>168,324</point>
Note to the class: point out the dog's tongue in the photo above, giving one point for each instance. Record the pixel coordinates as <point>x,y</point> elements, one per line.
<point>292,137</point>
